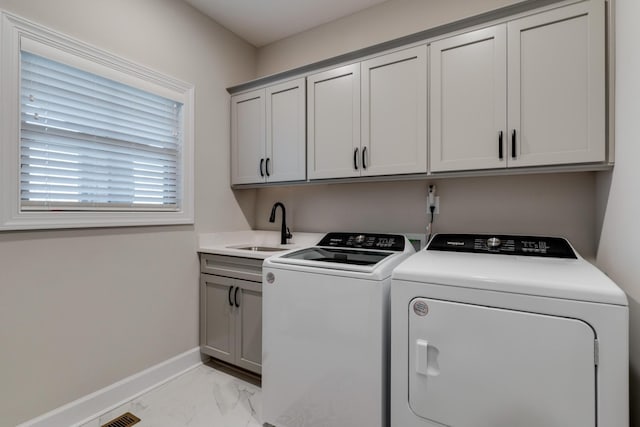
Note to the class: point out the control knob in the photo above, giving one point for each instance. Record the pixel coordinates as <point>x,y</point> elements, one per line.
<point>493,242</point>
<point>360,238</point>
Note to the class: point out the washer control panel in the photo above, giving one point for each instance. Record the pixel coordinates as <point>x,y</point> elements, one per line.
<point>387,242</point>
<point>551,247</point>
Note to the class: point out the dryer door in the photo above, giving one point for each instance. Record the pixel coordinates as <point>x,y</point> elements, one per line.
<point>476,366</point>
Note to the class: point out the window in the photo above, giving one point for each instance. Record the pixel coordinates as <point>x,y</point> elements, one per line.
<point>89,139</point>
<point>87,142</point>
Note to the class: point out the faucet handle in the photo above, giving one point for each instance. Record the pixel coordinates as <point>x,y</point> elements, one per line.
<point>288,235</point>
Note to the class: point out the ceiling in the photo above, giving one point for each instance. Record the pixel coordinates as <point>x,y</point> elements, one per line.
<point>261,22</point>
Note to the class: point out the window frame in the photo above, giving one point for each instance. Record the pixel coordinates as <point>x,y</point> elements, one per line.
<point>13,32</point>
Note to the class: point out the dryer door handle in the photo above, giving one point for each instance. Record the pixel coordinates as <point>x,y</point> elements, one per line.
<point>422,361</point>
<point>427,359</point>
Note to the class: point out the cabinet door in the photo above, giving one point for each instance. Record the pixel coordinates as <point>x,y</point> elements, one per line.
<point>468,108</point>
<point>249,325</point>
<point>285,154</point>
<point>333,123</point>
<point>217,327</point>
<point>556,76</point>
<point>394,113</point>
<point>248,137</point>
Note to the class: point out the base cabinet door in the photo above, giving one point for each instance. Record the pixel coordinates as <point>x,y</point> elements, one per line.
<point>217,328</point>
<point>249,327</point>
<point>231,321</point>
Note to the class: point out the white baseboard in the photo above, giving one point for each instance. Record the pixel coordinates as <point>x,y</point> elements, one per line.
<point>93,405</point>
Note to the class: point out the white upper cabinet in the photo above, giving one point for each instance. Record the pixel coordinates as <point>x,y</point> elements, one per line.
<point>469,100</point>
<point>556,77</point>
<point>374,123</point>
<point>394,113</point>
<point>286,148</point>
<point>333,123</point>
<point>248,137</point>
<point>268,134</point>
<point>530,92</point>
<point>526,91</point>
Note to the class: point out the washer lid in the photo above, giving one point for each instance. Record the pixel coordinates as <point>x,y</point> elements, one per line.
<point>566,278</point>
<point>339,256</point>
<point>339,260</point>
<point>360,254</point>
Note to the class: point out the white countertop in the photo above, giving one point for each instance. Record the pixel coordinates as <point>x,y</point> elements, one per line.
<point>228,242</point>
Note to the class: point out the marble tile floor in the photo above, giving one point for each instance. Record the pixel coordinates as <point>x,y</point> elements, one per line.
<point>205,396</point>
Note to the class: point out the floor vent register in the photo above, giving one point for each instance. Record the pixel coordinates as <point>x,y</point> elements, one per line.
<point>125,420</point>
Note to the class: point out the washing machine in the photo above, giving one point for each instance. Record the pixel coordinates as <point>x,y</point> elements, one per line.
<point>506,331</point>
<point>325,331</point>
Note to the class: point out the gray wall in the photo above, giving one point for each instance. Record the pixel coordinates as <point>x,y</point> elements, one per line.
<point>383,22</point>
<point>618,202</point>
<point>557,204</point>
<point>82,309</point>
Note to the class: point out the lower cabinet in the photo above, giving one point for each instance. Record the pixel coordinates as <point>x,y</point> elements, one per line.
<point>231,320</point>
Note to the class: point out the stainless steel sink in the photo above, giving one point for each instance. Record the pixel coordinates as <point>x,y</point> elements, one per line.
<point>259,248</point>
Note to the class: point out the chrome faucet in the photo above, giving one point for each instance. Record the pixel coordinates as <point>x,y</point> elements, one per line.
<point>284,231</point>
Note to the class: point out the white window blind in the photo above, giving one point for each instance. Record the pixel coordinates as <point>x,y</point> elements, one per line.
<point>90,143</point>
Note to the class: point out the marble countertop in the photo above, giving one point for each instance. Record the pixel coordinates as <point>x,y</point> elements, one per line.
<point>230,242</point>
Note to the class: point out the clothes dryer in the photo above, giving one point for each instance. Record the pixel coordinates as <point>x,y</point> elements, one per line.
<point>505,331</point>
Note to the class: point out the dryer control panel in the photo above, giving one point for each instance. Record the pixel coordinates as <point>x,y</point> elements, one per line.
<point>550,247</point>
<point>387,242</point>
